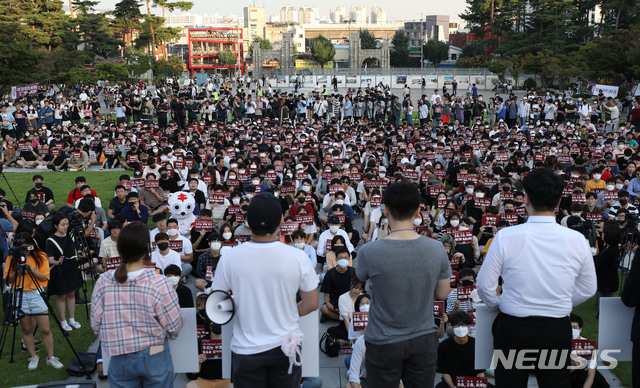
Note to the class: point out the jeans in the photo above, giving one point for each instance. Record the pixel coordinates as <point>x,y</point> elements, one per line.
<point>312,382</point>
<point>413,360</point>
<point>142,370</point>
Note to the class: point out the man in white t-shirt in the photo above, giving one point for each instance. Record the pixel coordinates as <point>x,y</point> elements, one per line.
<point>265,276</point>
<point>180,244</point>
<point>164,256</point>
<point>109,246</point>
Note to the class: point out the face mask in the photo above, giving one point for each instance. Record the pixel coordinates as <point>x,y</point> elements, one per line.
<point>215,245</point>
<point>299,245</point>
<point>334,229</point>
<point>164,176</point>
<point>576,214</point>
<point>575,333</point>
<point>255,182</point>
<point>517,203</point>
<point>382,175</point>
<point>345,166</point>
<point>480,195</point>
<point>597,176</point>
<point>38,184</point>
<point>276,194</point>
<point>172,232</point>
<point>174,280</point>
<point>469,190</point>
<point>455,223</point>
<point>623,202</point>
<point>417,221</point>
<point>163,245</point>
<point>619,186</point>
<point>290,175</point>
<point>232,177</point>
<point>39,221</point>
<point>463,228</point>
<point>306,188</point>
<point>364,308</point>
<point>227,235</point>
<point>242,171</point>
<point>339,202</point>
<point>610,187</point>
<point>249,196</point>
<point>343,263</point>
<point>461,331</point>
<point>235,201</point>
<point>34,201</point>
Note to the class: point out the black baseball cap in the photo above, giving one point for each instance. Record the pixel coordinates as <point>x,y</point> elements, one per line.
<point>265,212</point>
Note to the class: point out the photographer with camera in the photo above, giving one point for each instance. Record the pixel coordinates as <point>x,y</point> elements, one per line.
<point>66,277</point>
<point>26,255</point>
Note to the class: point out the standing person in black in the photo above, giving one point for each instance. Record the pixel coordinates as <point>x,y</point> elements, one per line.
<point>630,296</point>
<point>607,262</point>
<point>179,109</point>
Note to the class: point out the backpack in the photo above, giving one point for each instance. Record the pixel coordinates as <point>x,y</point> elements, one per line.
<point>331,346</point>
<point>87,359</point>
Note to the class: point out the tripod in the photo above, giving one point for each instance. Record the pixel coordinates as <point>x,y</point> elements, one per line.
<point>15,312</point>
<point>630,239</point>
<point>82,245</point>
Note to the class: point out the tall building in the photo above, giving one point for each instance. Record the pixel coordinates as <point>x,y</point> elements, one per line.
<point>378,15</point>
<point>288,14</point>
<point>416,32</point>
<point>308,15</point>
<point>254,22</point>
<point>181,21</point>
<point>338,15</point>
<point>358,14</point>
<point>438,27</point>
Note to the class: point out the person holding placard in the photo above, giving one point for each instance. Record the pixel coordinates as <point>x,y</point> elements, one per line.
<point>546,269</point>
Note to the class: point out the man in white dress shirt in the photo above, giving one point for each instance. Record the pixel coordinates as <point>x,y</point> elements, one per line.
<point>546,269</point>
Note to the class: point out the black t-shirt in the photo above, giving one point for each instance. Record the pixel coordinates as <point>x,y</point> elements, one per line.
<point>169,185</point>
<point>48,194</point>
<point>457,360</point>
<point>336,283</point>
<point>116,205</point>
<point>185,298</point>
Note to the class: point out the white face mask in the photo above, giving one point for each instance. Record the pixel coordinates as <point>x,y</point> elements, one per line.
<point>174,280</point>
<point>227,235</point>
<point>39,221</point>
<point>480,195</point>
<point>461,331</point>
<point>339,201</point>
<point>299,245</point>
<point>576,214</point>
<point>417,221</point>
<point>610,187</point>
<point>235,201</point>
<point>619,186</point>
<point>172,232</point>
<point>255,182</point>
<point>334,228</point>
<point>455,223</point>
<point>469,190</point>
<point>382,175</point>
<point>575,333</point>
<point>215,245</point>
<point>597,176</point>
<point>232,177</point>
<point>343,263</point>
<point>249,196</point>
<point>364,308</point>
<point>306,188</point>
<point>242,171</point>
<point>463,228</point>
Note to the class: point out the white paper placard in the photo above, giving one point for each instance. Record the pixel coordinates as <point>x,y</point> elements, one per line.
<point>614,328</point>
<point>310,353</point>
<point>184,349</point>
<point>484,337</point>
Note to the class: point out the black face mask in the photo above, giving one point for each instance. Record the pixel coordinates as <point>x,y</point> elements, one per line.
<point>623,202</point>
<point>38,185</point>
<point>245,208</point>
<point>164,176</point>
<point>301,200</point>
<point>505,188</point>
<point>466,283</point>
<point>518,204</point>
<point>34,201</point>
<point>163,246</point>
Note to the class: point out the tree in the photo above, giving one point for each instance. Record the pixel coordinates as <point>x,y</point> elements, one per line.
<point>399,54</point>
<point>322,50</point>
<point>94,31</point>
<point>498,68</point>
<point>112,71</point>
<point>60,66</point>
<point>19,56</point>
<point>227,58</point>
<point>474,48</point>
<point>127,18</point>
<point>436,51</point>
<point>367,40</point>
<point>265,44</point>
<point>171,6</point>
<point>168,67</point>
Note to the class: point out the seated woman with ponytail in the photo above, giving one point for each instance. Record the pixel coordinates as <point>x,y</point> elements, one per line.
<point>134,311</point>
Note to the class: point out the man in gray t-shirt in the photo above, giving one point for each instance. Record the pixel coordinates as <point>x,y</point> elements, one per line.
<point>407,271</point>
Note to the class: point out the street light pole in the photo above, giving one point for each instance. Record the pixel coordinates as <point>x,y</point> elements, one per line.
<point>349,43</point>
<point>421,47</point>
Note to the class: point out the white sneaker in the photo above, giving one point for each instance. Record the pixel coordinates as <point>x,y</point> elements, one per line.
<point>66,327</point>
<point>33,362</point>
<point>75,324</point>
<point>54,362</point>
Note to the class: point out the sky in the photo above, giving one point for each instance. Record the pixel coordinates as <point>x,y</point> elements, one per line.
<point>396,9</point>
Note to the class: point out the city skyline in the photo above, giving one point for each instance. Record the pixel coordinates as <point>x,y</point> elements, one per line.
<point>398,10</point>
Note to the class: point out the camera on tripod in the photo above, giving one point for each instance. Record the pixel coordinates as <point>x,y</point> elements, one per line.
<point>18,251</point>
<point>76,225</point>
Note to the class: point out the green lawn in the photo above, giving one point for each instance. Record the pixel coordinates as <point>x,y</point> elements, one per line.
<point>16,374</point>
